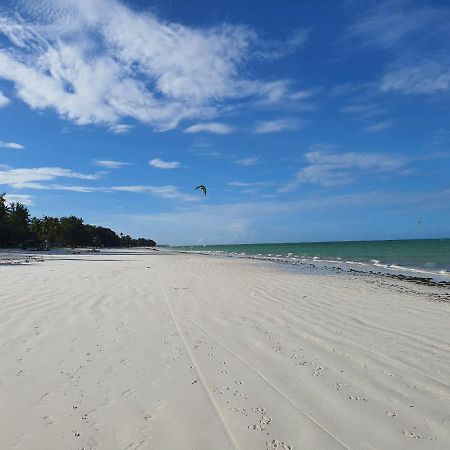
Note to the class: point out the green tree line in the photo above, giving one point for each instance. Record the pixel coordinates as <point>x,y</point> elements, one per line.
<point>19,229</point>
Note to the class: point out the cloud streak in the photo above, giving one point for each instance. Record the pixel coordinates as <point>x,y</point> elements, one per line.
<point>23,178</point>
<point>12,145</point>
<point>211,127</point>
<point>276,126</point>
<point>246,162</point>
<point>329,169</point>
<point>426,76</point>
<point>110,164</point>
<point>161,164</point>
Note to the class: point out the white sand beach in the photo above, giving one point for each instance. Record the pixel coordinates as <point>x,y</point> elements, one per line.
<point>146,350</point>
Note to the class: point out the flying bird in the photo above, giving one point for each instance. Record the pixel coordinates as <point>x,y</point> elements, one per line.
<point>419,222</point>
<point>203,188</point>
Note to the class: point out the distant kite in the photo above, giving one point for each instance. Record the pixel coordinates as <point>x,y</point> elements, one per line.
<point>203,188</point>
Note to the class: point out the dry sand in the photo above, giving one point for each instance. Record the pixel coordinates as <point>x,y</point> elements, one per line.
<point>143,350</point>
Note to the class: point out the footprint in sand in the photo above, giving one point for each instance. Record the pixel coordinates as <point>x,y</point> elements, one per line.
<point>355,397</point>
<point>262,410</point>
<point>48,420</point>
<point>261,426</point>
<point>278,444</point>
<point>317,371</point>
<point>412,434</point>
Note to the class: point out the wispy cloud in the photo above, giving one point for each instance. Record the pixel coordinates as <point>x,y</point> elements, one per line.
<point>283,47</point>
<point>426,76</point>
<point>42,179</point>
<point>274,92</point>
<point>121,128</point>
<point>167,191</point>
<point>12,145</point>
<point>275,126</point>
<point>328,169</point>
<point>380,126</point>
<point>101,62</point>
<point>3,100</point>
<point>22,178</point>
<point>250,161</point>
<point>363,110</point>
<point>371,115</point>
<point>210,127</point>
<point>160,164</point>
<point>19,198</point>
<point>246,184</point>
<point>389,24</point>
<point>110,164</point>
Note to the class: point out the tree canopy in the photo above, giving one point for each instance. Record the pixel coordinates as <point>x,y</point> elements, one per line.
<point>18,229</point>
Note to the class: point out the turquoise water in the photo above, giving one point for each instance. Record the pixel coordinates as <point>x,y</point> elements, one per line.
<point>429,256</point>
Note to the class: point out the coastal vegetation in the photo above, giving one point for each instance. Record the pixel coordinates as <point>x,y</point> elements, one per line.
<point>19,229</point>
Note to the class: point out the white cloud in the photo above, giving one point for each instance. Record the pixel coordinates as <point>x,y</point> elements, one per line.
<point>329,169</point>
<point>38,178</point>
<point>274,126</point>
<point>19,198</point>
<point>423,77</point>
<point>23,178</point>
<point>210,127</point>
<point>99,62</point>
<point>121,128</point>
<point>370,114</point>
<point>167,191</point>
<point>250,161</point>
<point>12,145</point>
<point>109,164</point>
<point>377,127</point>
<point>285,47</point>
<point>250,183</point>
<point>364,110</point>
<point>272,93</point>
<point>391,23</point>
<point>160,164</point>
<point>3,100</point>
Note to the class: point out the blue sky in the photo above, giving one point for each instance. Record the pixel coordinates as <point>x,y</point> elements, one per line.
<point>307,121</point>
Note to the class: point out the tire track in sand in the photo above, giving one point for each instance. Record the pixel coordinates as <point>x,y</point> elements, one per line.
<point>219,414</point>
<point>267,381</point>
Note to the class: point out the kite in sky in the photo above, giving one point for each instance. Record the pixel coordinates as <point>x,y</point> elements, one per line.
<point>203,188</point>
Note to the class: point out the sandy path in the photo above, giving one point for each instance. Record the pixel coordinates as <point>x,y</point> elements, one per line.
<point>128,350</point>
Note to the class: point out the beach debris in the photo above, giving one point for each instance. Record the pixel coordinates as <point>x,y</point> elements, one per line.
<point>202,187</point>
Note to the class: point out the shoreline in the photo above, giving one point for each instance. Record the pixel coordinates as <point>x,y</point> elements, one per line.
<point>334,266</point>
<point>419,258</point>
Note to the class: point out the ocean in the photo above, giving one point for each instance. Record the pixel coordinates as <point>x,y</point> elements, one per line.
<point>421,257</point>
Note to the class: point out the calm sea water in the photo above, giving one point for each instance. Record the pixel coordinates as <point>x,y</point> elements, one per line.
<point>428,256</point>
